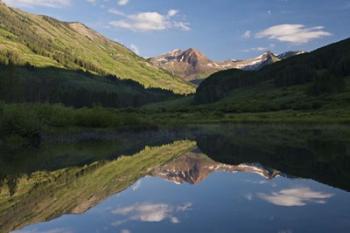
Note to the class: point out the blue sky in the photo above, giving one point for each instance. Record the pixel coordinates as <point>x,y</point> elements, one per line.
<point>222,29</point>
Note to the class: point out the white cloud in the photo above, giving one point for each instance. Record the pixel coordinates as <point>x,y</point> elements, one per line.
<point>295,197</point>
<point>150,212</point>
<point>125,231</point>
<point>249,196</point>
<point>45,3</point>
<point>174,220</point>
<point>247,34</point>
<point>151,21</point>
<point>123,2</point>
<point>172,13</point>
<point>184,26</point>
<point>293,33</point>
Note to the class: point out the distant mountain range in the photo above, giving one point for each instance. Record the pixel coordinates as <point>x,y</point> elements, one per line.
<point>193,65</point>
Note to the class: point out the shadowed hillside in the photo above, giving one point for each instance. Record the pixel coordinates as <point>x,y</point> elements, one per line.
<point>19,84</point>
<point>306,78</point>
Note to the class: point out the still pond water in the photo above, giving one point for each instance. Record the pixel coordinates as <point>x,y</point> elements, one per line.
<point>231,178</point>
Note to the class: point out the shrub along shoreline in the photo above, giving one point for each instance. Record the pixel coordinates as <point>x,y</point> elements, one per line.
<point>23,124</point>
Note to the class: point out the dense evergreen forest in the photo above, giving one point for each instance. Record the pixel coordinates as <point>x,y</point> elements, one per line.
<point>29,84</point>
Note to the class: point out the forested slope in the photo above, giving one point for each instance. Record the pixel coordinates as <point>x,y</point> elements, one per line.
<point>322,72</point>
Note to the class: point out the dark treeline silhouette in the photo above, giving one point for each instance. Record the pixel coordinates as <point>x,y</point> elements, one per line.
<point>29,84</point>
<point>324,69</point>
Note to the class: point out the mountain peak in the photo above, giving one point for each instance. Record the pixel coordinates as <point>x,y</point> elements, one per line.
<point>193,50</point>
<point>268,52</point>
<point>193,57</point>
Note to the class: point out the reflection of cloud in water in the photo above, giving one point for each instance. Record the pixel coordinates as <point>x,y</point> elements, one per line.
<point>125,231</point>
<point>57,230</point>
<point>150,212</point>
<point>286,231</point>
<point>249,196</point>
<point>295,197</point>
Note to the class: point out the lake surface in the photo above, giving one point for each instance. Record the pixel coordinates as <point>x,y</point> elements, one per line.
<point>217,178</point>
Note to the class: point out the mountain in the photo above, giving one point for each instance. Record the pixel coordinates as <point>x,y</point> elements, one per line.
<point>42,41</point>
<point>192,64</point>
<point>311,81</point>
<point>289,54</point>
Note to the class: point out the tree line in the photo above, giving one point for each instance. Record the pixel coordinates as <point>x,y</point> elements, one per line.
<point>29,84</point>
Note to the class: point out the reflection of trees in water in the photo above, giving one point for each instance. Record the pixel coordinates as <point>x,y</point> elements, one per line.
<point>79,150</point>
<point>71,173</point>
<point>48,194</point>
<point>12,185</point>
<point>9,183</point>
<point>314,152</point>
<point>322,155</point>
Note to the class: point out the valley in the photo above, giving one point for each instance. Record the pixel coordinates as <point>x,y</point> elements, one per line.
<point>245,128</point>
<point>58,76</point>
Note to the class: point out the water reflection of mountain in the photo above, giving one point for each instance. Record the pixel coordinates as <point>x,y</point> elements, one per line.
<point>85,174</point>
<point>194,167</point>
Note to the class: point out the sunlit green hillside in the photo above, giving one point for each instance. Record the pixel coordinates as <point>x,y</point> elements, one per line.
<point>43,41</point>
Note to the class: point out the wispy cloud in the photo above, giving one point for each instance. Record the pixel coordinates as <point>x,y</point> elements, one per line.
<point>123,2</point>
<point>150,21</point>
<point>257,49</point>
<point>150,212</point>
<point>91,1</point>
<point>293,33</point>
<point>125,231</point>
<point>247,34</point>
<point>45,3</point>
<point>295,197</point>
<point>116,12</point>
